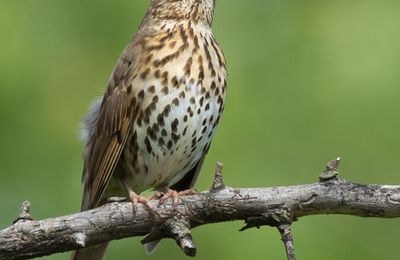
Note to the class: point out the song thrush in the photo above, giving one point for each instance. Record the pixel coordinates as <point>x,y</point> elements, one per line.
<point>163,102</point>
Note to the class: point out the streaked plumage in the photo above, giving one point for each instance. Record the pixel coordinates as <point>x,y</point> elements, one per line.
<point>161,107</point>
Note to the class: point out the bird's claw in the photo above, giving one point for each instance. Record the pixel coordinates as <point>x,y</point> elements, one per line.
<point>136,199</point>
<point>174,195</point>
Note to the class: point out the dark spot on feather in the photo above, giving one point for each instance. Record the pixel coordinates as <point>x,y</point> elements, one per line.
<point>155,47</point>
<point>220,100</point>
<point>213,85</point>
<point>166,110</point>
<point>194,142</point>
<point>152,89</point>
<point>151,133</point>
<point>156,63</point>
<point>141,94</point>
<point>155,127</point>
<point>165,90</point>
<point>160,119</point>
<point>148,58</point>
<point>216,92</point>
<point>175,81</point>
<point>129,89</point>
<point>175,101</point>
<point>144,74</point>
<point>164,76</point>
<point>148,145</point>
<point>161,141</point>
<point>175,137</point>
<point>157,74</point>
<point>174,125</point>
<point>201,101</point>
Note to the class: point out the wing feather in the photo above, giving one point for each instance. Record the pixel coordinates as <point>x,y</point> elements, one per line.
<point>117,113</point>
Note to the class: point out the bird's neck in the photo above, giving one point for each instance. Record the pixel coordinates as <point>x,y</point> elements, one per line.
<point>197,12</point>
<point>158,27</point>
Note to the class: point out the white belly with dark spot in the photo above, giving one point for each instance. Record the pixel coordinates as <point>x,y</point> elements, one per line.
<point>179,144</point>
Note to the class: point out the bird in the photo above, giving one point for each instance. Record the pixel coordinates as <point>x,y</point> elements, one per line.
<point>163,101</point>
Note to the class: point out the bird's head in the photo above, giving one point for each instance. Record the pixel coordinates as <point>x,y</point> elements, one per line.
<point>198,11</point>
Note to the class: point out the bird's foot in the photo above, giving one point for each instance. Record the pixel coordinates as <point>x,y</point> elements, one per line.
<point>174,195</point>
<point>157,195</point>
<point>188,192</point>
<point>136,199</point>
<point>170,194</point>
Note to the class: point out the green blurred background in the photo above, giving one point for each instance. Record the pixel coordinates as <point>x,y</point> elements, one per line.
<point>309,80</point>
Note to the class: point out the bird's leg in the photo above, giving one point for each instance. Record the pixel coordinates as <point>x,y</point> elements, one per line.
<point>135,198</point>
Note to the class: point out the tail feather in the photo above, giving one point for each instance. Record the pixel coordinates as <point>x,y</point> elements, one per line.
<point>91,253</point>
<point>151,246</point>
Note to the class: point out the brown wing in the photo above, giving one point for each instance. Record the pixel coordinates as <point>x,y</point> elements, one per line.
<point>117,112</point>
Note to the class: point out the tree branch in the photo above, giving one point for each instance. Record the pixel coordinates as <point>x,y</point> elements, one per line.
<point>275,206</point>
<point>287,239</point>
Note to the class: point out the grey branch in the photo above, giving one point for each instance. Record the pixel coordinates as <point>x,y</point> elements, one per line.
<point>287,239</point>
<point>275,206</point>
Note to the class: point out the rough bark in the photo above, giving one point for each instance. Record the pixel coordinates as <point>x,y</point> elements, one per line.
<point>275,206</point>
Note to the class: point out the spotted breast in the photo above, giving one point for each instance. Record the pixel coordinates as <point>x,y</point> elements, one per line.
<point>184,86</point>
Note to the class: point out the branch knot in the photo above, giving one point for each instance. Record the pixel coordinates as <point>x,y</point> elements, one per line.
<point>218,183</point>
<point>176,227</point>
<point>24,214</point>
<point>331,170</point>
<point>273,218</point>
